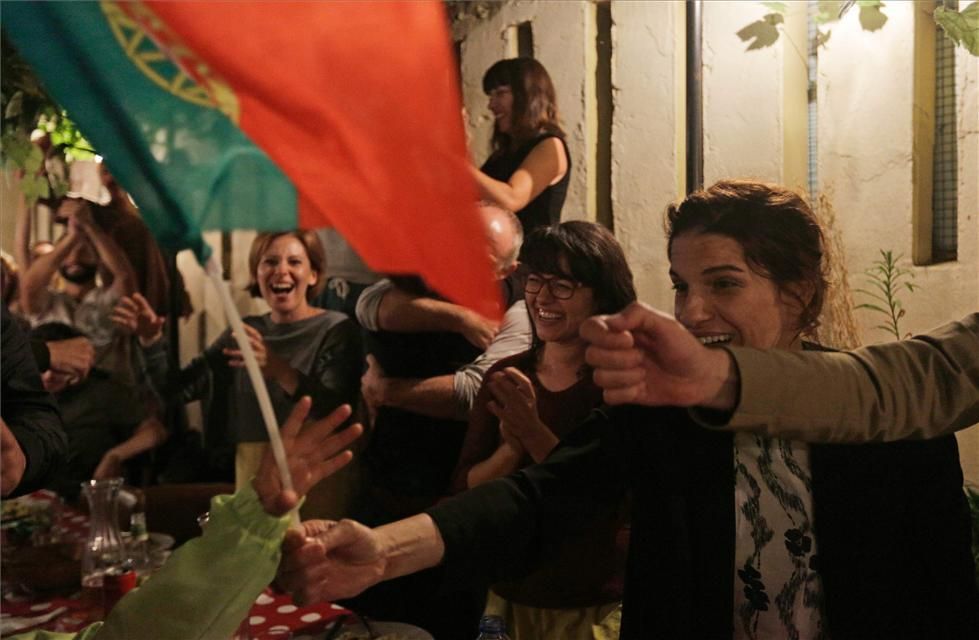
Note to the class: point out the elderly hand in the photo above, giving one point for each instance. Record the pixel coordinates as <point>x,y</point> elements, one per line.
<point>313,452</point>
<point>478,330</point>
<point>135,315</point>
<point>515,404</point>
<point>13,462</point>
<point>643,356</point>
<point>330,560</point>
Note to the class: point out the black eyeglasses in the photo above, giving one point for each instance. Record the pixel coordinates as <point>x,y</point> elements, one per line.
<point>560,288</point>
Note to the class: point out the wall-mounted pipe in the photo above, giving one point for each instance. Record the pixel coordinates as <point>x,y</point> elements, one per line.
<point>695,95</point>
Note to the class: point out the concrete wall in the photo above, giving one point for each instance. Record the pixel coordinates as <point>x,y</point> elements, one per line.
<point>866,164</point>
<point>866,108</point>
<point>647,134</point>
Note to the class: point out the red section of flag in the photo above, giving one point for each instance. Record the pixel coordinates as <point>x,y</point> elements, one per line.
<point>358,103</point>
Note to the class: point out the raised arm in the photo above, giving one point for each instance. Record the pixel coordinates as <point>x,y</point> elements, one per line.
<point>22,232</point>
<point>919,388</point>
<point>110,254</point>
<point>36,278</point>
<point>545,165</point>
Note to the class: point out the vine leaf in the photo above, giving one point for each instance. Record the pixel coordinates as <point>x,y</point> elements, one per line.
<point>961,26</point>
<point>762,33</point>
<point>871,16</point>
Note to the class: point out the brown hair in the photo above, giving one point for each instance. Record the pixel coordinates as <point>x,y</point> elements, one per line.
<point>314,251</point>
<point>534,101</point>
<point>776,228</point>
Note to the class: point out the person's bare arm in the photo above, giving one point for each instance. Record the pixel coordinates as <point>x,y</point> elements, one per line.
<point>333,560</point>
<point>149,434</point>
<point>433,397</point>
<point>22,232</point>
<point>504,461</point>
<point>407,313</point>
<point>37,277</point>
<point>545,165</point>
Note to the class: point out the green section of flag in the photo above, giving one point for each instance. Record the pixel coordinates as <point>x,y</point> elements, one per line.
<point>186,164</point>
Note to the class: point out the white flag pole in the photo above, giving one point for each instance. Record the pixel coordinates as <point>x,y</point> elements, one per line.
<point>213,270</point>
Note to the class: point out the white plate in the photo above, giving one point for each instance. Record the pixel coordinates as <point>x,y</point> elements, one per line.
<point>383,631</point>
<point>161,541</point>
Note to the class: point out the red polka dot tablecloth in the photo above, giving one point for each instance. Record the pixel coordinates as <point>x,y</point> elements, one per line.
<point>274,614</point>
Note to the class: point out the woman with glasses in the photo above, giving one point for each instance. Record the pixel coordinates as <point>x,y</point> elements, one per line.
<point>528,402</point>
<point>529,168</point>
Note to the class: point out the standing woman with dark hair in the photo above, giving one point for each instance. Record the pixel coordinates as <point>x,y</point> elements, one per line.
<point>530,167</point>
<point>527,403</point>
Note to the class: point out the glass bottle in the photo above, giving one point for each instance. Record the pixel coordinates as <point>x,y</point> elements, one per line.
<point>492,628</point>
<point>104,548</point>
<point>139,543</point>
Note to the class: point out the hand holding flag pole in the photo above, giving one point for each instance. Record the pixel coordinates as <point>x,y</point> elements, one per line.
<point>213,270</point>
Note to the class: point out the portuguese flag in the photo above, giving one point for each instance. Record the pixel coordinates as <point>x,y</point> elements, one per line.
<point>276,115</point>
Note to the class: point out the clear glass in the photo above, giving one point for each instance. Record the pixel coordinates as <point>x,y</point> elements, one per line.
<point>104,548</point>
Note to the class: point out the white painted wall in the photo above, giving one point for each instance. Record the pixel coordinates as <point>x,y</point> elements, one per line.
<point>647,149</point>
<point>865,146</point>
<point>742,97</point>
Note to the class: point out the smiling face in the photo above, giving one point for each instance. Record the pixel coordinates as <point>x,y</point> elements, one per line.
<point>501,105</point>
<point>556,319</point>
<point>721,299</point>
<point>283,276</point>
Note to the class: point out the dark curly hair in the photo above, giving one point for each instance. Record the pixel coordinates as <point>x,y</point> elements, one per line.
<point>776,228</point>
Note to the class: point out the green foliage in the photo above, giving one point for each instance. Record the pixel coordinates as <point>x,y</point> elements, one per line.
<point>961,26</point>
<point>26,107</point>
<point>885,280</point>
<point>762,33</point>
<point>871,16</point>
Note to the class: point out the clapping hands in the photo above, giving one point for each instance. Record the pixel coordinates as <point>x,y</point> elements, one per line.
<point>515,405</point>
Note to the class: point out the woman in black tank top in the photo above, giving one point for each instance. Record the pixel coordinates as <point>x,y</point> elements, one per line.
<point>529,169</point>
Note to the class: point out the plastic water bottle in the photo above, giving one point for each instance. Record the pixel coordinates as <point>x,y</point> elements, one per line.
<point>492,628</point>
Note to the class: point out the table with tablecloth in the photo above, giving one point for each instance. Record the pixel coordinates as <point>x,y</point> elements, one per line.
<point>70,612</point>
